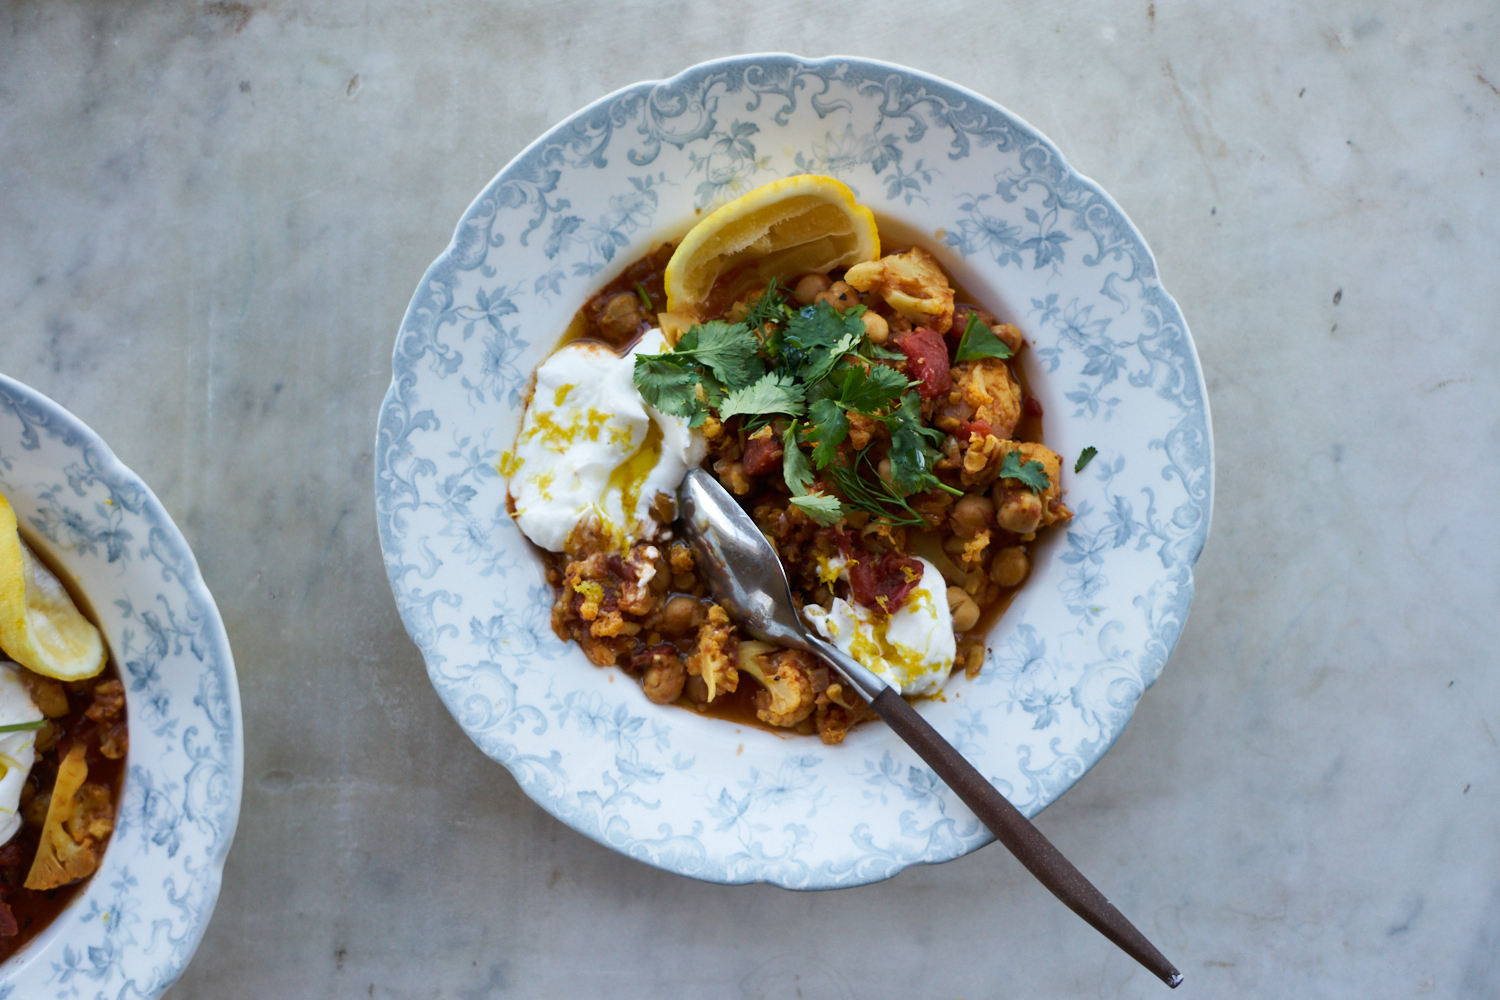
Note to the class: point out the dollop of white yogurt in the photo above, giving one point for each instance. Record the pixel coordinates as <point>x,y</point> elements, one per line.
<point>17,750</point>
<point>590,447</point>
<point>912,649</point>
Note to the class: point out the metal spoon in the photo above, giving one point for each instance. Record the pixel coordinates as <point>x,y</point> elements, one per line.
<point>746,577</point>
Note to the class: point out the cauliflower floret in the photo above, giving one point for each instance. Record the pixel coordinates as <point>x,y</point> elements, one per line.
<point>912,283</point>
<point>837,711</point>
<point>787,677</point>
<point>108,711</point>
<point>714,657</point>
<point>988,385</point>
<point>635,592</point>
<point>79,818</point>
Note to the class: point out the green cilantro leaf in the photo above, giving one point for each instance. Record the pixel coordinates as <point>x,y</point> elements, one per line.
<point>823,361</point>
<point>821,325</point>
<point>870,390</point>
<point>912,449</point>
<point>829,426</point>
<point>795,467</point>
<point>729,350</point>
<point>979,341</point>
<point>821,507</point>
<point>1032,475</point>
<point>1085,457</point>
<point>670,386</point>
<point>870,349</point>
<point>772,394</point>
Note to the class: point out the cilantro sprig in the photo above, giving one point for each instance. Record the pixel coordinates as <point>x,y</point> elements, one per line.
<point>798,473</point>
<point>711,360</point>
<point>774,393</point>
<point>816,366</point>
<point>979,341</point>
<point>1032,475</point>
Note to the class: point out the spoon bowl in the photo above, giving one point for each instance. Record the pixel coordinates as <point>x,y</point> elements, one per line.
<point>746,577</point>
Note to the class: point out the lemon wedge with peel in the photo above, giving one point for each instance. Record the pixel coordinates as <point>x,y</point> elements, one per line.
<point>40,626</point>
<point>780,230</point>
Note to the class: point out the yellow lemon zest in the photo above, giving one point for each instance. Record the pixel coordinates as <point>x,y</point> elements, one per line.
<point>827,571</point>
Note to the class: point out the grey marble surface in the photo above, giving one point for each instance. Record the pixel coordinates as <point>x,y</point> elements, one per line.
<point>212,216</point>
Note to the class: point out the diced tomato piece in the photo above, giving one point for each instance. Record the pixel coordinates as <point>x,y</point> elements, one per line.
<point>1031,406</point>
<point>927,360</point>
<point>980,427</point>
<point>884,582</point>
<point>762,455</point>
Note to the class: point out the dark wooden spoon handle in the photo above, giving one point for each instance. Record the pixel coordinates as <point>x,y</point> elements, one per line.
<point>1018,835</point>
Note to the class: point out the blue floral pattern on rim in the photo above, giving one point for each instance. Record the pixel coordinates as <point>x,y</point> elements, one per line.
<point>1111,361</point>
<point>132,930</point>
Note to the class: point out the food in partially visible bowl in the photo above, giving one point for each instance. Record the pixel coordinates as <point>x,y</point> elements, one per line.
<point>864,410</point>
<point>63,740</point>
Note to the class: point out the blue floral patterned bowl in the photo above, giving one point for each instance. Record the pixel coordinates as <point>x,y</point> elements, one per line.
<point>132,929</point>
<point>1111,361</point>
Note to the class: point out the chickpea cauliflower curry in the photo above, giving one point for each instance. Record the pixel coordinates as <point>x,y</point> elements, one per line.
<point>872,424</point>
<point>63,739</point>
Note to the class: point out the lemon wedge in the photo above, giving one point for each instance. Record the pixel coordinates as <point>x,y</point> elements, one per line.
<point>785,228</point>
<point>40,626</point>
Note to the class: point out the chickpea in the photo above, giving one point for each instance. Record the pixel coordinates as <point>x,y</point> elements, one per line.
<point>1019,511</point>
<point>877,330</point>
<point>664,680</point>
<point>696,689</point>
<point>680,616</point>
<point>974,661</point>
<point>1010,566</point>
<point>883,470</point>
<point>965,610</point>
<point>620,317</point>
<point>809,287</point>
<point>840,295</point>
<point>954,546</point>
<point>971,514</point>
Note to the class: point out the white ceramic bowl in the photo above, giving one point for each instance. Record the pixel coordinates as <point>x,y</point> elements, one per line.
<point>132,929</point>
<point>1110,360</point>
